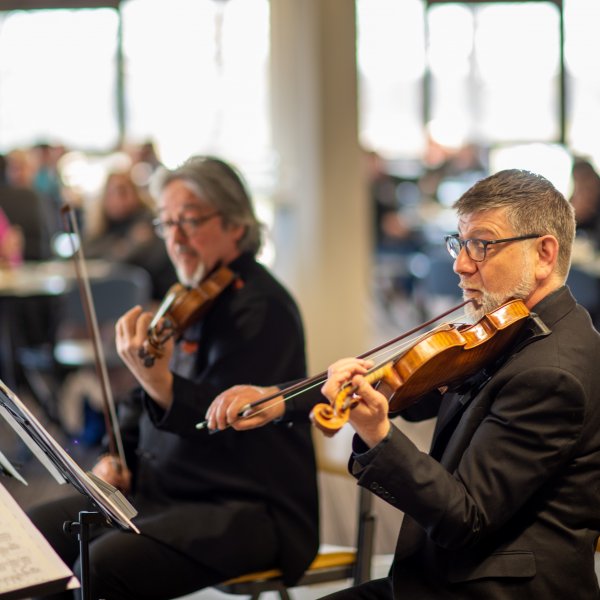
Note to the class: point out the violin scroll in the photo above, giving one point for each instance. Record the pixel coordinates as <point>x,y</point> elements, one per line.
<point>330,418</point>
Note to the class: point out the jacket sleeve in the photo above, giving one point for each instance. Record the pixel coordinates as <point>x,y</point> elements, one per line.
<point>526,435</point>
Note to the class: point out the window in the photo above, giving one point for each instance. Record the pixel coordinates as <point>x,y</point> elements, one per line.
<point>57,74</point>
<point>195,75</point>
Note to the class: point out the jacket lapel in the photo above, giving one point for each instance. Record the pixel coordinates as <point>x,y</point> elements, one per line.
<point>453,407</point>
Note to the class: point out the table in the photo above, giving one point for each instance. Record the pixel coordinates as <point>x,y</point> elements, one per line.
<point>34,280</point>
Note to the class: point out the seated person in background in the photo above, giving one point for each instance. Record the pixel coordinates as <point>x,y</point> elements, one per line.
<point>11,243</point>
<point>119,228</point>
<point>585,199</point>
<point>506,503</point>
<point>210,506</point>
<point>25,208</point>
<point>36,317</point>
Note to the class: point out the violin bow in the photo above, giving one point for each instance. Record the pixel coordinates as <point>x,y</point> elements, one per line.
<point>115,441</point>
<point>308,384</point>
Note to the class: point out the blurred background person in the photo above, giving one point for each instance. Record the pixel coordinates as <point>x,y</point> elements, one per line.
<point>36,316</point>
<point>46,179</point>
<point>118,227</point>
<point>26,208</point>
<point>11,243</point>
<point>585,199</point>
<point>145,161</point>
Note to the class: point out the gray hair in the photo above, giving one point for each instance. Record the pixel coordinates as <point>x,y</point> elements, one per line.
<point>533,205</point>
<point>223,187</point>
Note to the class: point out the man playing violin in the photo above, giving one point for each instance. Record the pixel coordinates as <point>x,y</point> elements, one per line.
<point>209,507</point>
<point>505,504</point>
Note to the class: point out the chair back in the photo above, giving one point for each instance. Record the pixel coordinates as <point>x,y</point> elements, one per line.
<point>122,288</point>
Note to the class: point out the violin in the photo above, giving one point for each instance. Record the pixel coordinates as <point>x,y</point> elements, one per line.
<point>442,357</point>
<point>181,307</point>
<point>311,382</point>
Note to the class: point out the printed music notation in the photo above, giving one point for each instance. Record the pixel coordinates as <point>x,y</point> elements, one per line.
<point>28,564</point>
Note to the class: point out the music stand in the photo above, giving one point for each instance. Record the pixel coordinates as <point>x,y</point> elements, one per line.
<point>113,507</point>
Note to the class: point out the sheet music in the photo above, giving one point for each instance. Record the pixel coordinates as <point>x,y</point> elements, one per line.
<point>61,464</point>
<point>27,560</point>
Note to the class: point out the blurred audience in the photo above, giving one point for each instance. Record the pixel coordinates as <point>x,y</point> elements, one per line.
<point>451,171</point>
<point>119,227</point>
<point>391,229</point>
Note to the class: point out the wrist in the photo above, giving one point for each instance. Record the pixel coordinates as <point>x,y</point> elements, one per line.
<point>374,438</point>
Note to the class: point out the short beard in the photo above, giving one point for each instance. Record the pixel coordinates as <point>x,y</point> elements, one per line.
<point>193,280</point>
<point>491,301</point>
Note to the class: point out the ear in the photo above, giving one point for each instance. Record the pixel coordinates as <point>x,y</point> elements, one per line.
<point>547,256</point>
<point>237,230</point>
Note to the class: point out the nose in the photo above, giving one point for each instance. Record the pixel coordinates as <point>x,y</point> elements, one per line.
<point>463,263</point>
<point>177,234</point>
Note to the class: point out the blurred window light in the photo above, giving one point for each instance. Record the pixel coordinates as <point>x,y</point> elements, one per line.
<point>195,76</point>
<point>553,161</point>
<point>582,48</point>
<point>195,83</point>
<point>391,65</point>
<point>450,41</point>
<point>495,83</point>
<point>57,78</point>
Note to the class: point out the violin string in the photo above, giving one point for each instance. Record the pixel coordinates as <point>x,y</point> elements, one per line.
<point>286,397</point>
<point>396,350</point>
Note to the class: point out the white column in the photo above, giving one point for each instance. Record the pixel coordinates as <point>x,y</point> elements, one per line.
<point>322,213</point>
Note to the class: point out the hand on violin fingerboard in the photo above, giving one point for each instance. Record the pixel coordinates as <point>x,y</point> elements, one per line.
<point>366,409</point>
<point>131,333</point>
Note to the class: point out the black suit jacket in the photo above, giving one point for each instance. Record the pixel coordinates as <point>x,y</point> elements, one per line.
<point>216,497</point>
<point>507,503</point>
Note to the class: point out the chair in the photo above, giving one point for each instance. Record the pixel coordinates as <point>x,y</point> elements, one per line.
<point>585,288</point>
<point>113,295</point>
<point>332,563</point>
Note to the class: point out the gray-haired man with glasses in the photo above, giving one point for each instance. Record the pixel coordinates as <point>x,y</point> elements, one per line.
<point>210,507</point>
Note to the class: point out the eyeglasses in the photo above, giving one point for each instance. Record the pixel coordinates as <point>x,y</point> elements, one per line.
<point>189,225</point>
<point>477,249</point>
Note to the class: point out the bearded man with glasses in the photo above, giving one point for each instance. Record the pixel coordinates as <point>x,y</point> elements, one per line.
<point>505,505</point>
<point>210,507</point>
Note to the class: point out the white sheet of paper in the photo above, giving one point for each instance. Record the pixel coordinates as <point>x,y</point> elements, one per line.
<point>26,558</point>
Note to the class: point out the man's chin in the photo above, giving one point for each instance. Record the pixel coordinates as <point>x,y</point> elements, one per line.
<point>190,278</point>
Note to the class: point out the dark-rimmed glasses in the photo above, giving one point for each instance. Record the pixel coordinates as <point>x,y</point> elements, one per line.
<point>476,248</point>
<point>189,225</point>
